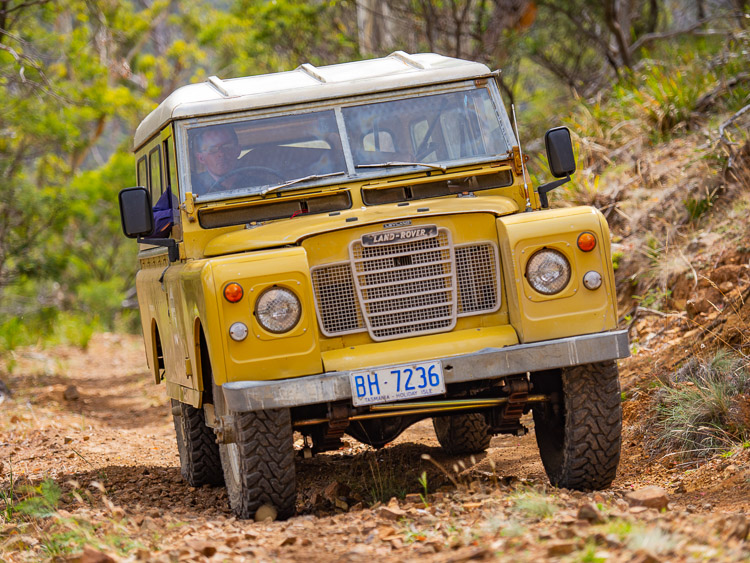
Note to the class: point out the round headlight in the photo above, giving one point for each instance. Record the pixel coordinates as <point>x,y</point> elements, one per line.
<point>278,310</point>
<point>548,271</point>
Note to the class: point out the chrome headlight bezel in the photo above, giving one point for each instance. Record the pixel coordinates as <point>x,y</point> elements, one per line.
<point>278,310</point>
<point>548,271</point>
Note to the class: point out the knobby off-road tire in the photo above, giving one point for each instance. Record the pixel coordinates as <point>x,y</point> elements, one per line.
<point>259,466</point>
<point>200,463</point>
<point>462,433</point>
<point>579,442</point>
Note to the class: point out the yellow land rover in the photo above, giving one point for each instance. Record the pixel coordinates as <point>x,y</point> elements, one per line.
<point>354,248</point>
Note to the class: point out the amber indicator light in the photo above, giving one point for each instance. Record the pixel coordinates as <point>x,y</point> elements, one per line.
<point>233,292</point>
<point>586,242</point>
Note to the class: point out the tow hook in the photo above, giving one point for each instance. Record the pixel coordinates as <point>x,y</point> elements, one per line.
<point>225,430</point>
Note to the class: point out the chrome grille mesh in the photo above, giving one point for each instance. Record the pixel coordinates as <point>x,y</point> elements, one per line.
<point>476,267</point>
<point>406,289</point>
<point>399,267</point>
<point>338,309</point>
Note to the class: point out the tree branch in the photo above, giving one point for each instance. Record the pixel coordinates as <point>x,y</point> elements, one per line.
<point>651,37</point>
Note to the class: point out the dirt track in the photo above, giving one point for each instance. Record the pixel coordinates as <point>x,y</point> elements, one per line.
<point>114,448</point>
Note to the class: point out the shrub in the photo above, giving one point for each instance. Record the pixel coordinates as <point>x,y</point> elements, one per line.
<point>704,406</point>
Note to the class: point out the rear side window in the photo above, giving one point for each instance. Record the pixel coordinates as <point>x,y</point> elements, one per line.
<point>142,175</point>
<point>154,166</point>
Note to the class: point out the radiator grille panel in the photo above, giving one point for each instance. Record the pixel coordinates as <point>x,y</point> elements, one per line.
<point>476,267</point>
<point>398,269</point>
<point>338,309</point>
<point>406,289</point>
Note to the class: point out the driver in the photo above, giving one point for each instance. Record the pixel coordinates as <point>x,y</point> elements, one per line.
<point>218,150</point>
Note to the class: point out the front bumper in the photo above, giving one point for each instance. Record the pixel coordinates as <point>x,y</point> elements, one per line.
<point>490,363</point>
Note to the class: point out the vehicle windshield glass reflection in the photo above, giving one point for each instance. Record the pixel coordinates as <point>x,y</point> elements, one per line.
<point>250,155</point>
<point>428,129</point>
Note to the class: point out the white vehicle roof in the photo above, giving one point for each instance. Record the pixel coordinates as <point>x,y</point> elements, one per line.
<point>304,84</point>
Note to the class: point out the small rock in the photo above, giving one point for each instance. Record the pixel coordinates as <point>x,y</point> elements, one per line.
<point>357,507</point>
<point>204,548</point>
<point>413,498</point>
<point>559,548</point>
<point>732,468</point>
<point>644,556</point>
<point>335,490</point>
<point>590,513</point>
<point>340,503</point>
<point>638,509</point>
<point>67,440</point>
<point>650,497</point>
<point>726,287</point>
<point>390,513</point>
<point>696,306</point>
<point>289,540</point>
<point>266,513</point>
<point>735,526</point>
<point>71,393</point>
<point>91,555</point>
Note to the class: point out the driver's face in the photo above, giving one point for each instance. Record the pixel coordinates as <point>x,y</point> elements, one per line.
<point>218,152</point>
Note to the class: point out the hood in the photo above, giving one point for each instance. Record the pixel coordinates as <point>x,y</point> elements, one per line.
<point>291,231</point>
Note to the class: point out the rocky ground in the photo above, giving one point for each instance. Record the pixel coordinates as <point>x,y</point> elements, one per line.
<point>89,468</point>
<point>93,423</point>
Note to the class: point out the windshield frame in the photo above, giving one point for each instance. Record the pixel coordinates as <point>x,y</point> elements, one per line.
<point>351,173</point>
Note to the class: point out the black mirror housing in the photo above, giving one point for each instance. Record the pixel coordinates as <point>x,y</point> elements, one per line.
<point>562,163</point>
<point>135,212</point>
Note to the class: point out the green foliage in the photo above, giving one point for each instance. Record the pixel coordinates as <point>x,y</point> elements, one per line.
<point>699,206</point>
<point>28,501</point>
<point>616,258</point>
<point>654,298</point>
<point>387,480</point>
<point>423,482</point>
<point>703,408</point>
<point>532,503</point>
<point>41,501</point>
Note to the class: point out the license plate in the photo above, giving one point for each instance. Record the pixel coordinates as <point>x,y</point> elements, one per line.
<point>396,383</point>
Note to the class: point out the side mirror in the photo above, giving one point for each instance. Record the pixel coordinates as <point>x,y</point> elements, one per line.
<point>560,152</point>
<point>135,212</point>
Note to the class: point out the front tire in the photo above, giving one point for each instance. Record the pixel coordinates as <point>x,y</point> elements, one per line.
<point>199,453</point>
<point>461,434</point>
<point>579,437</point>
<point>259,465</point>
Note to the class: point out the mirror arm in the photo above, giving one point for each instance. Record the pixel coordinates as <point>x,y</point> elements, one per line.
<point>548,187</point>
<point>171,244</point>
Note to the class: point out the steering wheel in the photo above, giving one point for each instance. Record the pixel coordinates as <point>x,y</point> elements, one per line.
<point>262,169</point>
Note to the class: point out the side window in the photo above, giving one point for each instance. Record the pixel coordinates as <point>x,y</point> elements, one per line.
<point>170,169</point>
<point>141,174</point>
<point>170,174</point>
<point>154,167</point>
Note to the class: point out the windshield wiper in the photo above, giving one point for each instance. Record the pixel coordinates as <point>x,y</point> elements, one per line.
<point>298,180</point>
<point>388,164</point>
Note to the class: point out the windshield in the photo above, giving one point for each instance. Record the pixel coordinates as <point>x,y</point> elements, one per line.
<point>264,152</point>
<point>437,128</point>
<point>276,153</point>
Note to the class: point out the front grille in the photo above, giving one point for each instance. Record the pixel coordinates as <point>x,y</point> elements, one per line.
<point>478,278</point>
<point>406,289</point>
<point>338,308</point>
<point>402,270</point>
